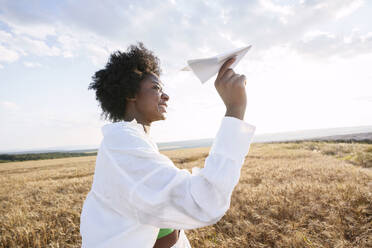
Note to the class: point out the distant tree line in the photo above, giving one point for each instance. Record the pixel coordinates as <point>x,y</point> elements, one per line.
<point>37,156</point>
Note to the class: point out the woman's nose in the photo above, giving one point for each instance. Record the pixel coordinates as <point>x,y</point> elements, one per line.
<point>165,97</point>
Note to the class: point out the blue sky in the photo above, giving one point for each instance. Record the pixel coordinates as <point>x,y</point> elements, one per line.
<point>309,66</point>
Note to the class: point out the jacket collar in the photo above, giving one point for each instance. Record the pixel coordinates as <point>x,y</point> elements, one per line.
<point>135,124</point>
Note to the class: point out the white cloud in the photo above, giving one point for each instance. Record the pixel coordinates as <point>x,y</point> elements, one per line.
<point>22,45</point>
<point>276,8</point>
<point>281,34</point>
<point>313,34</point>
<point>102,28</point>
<point>4,36</point>
<point>98,54</point>
<point>28,35</point>
<point>321,5</point>
<point>235,42</point>
<point>34,31</point>
<point>363,98</point>
<point>367,37</point>
<point>36,47</point>
<point>8,55</point>
<point>69,44</point>
<point>348,9</point>
<point>31,64</point>
<point>25,18</point>
<point>7,105</point>
<point>326,44</point>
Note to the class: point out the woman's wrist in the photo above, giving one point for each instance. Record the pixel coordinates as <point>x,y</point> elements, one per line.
<point>236,112</point>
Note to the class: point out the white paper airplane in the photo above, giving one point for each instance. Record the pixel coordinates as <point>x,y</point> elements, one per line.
<point>206,68</point>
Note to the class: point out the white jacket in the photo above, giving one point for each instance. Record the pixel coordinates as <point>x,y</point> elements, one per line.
<point>136,190</point>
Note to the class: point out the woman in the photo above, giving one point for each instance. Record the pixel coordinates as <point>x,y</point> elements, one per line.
<point>139,198</point>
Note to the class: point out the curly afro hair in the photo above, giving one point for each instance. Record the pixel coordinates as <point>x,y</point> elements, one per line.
<point>121,78</point>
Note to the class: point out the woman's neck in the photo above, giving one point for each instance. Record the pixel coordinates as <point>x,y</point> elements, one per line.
<point>146,125</point>
<point>146,128</point>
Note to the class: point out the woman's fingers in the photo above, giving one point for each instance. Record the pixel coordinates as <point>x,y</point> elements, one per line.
<point>243,79</point>
<point>225,67</point>
<point>231,87</point>
<point>234,78</point>
<point>228,75</point>
<point>238,79</point>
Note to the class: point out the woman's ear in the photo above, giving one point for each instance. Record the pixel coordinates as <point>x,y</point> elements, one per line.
<point>130,99</point>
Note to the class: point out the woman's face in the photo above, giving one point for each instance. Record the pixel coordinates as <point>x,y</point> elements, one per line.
<point>151,101</point>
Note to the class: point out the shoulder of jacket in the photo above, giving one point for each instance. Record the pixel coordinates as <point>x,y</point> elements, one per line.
<point>125,135</point>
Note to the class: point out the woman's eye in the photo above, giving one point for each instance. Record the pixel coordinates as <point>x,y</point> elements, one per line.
<point>156,87</point>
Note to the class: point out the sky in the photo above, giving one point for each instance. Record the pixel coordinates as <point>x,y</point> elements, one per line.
<point>308,68</point>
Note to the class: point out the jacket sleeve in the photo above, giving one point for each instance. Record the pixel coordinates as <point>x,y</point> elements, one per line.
<point>159,194</point>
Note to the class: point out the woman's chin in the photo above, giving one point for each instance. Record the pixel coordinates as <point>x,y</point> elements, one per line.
<point>161,117</point>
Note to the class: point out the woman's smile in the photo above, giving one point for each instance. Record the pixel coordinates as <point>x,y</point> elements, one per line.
<point>163,106</point>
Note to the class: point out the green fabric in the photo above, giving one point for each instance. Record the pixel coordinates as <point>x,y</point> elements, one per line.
<point>164,232</point>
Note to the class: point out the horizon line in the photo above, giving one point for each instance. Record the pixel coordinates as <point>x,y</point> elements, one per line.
<point>67,148</point>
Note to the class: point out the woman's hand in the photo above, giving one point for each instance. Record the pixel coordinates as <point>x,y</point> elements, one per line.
<point>231,87</point>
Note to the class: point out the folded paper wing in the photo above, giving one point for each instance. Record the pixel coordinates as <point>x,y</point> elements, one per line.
<point>206,68</point>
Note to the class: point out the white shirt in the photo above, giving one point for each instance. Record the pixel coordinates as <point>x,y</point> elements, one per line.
<point>136,190</point>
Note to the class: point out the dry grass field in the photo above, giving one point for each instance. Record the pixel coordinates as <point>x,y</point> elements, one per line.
<point>289,195</point>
